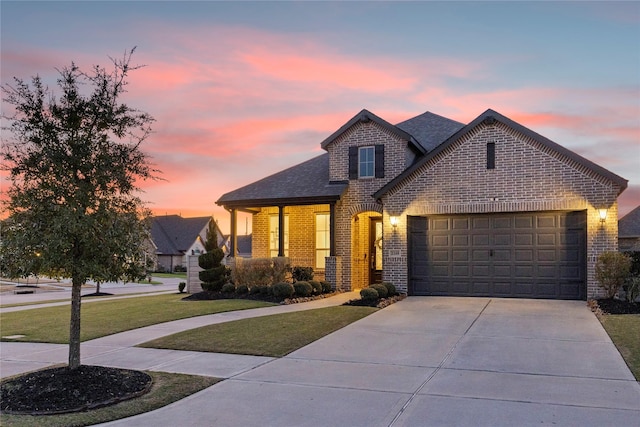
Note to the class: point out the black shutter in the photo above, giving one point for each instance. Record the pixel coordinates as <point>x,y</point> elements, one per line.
<point>353,162</point>
<point>379,161</point>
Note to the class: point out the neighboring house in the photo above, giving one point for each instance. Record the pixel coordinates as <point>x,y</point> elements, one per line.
<point>438,207</point>
<point>243,244</point>
<point>629,231</point>
<point>175,238</point>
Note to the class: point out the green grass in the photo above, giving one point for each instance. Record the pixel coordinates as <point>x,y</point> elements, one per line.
<point>624,330</point>
<point>167,388</point>
<point>274,336</point>
<point>102,318</point>
<point>180,275</point>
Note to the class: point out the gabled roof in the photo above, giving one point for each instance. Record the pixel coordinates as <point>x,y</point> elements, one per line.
<point>491,116</point>
<point>430,129</point>
<point>305,183</point>
<point>173,235</point>
<point>366,116</point>
<point>629,225</point>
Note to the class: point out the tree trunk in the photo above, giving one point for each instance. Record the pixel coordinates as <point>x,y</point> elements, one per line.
<point>74,325</point>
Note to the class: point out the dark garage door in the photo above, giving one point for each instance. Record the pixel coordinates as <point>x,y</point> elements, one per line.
<point>526,255</point>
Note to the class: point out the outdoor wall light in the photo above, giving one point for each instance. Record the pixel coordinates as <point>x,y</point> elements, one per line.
<point>394,221</point>
<point>603,214</point>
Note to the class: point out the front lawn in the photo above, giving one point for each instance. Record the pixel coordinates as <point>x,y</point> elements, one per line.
<point>274,336</point>
<point>99,319</point>
<point>624,330</point>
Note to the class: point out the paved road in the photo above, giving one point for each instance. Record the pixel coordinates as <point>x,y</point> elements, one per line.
<point>421,362</point>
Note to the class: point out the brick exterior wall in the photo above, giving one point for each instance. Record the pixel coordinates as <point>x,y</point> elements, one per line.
<point>351,239</point>
<point>527,177</point>
<point>301,235</point>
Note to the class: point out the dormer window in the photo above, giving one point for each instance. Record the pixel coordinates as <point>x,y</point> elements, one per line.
<point>366,162</point>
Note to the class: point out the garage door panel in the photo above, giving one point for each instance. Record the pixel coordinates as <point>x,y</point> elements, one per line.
<point>523,239</point>
<point>501,255</point>
<point>523,222</point>
<point>460,240</point>
<point>546,221</point>
<point>547,239</point>
<point>502,239</point>
<point>545,255</point>
<point>536,255</point>
<point>440,241</point>
<point>480,255</point>
<point>502,271</point>
<point>524,255</point>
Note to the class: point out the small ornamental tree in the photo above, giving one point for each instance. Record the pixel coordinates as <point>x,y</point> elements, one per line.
<point>612,271</point>
<point>75,163</point>
<point>214,275</point>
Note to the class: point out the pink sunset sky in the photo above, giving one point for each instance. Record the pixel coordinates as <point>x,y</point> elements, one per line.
<point>241,90</point>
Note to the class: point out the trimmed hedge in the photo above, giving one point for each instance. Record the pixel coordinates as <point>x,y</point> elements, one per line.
<point>391,289</point>
<point>303,289</point>
<point>317,287</point>
<point>381,289</point>
<point>283,290</point>
<point>369,294</point>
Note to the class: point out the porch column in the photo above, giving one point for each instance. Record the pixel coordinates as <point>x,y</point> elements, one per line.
<point>233,243</point>
<point>280,231</point>
<point>332,229</point>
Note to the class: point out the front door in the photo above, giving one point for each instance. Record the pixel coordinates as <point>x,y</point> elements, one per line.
<point>375,251</point>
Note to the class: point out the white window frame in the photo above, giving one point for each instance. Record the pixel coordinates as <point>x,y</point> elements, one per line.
<point>364,151</point>
<point>322,239</point>
<point>274,236</point>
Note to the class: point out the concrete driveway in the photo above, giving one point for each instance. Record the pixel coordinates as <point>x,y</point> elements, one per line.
<point>432,361</point>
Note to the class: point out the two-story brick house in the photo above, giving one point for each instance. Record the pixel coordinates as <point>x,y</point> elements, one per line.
<point>437,207</point>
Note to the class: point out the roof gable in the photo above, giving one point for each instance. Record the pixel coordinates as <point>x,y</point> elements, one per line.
<point>490,117</point>
<point>629,225</point>
<point>366,116</point>
<point>173,234</point>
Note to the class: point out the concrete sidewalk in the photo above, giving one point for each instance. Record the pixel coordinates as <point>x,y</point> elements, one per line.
<point>119,350</point>
<point>432,362</point>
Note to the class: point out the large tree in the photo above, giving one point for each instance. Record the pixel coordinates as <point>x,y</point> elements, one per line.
<point>75,164</point>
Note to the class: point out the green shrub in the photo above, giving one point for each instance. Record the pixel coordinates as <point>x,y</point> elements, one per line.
<point>317,287</point>
<point>633,288</point>
<point>612,270</point>
<point>302,289</point>
<point>210,259</point>
<point>369,294</point>
<point>214,278</point>
<point>181,287</point>
<point>242,289</point>
<point>381,289</point>
<point>326,287</point>
<point>280,269</point>
<point>635,262</point>
<point>260,271</point>
<point>391,289</point>
<point>228,288</point>
<point>283,290</point>
<point>254,290</point>
<point>302,274</point>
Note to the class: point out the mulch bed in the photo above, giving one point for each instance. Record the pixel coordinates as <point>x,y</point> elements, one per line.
<point>205,296</point>
<point>614,306</point>
<point>61,390</point>
<point>379,302</point>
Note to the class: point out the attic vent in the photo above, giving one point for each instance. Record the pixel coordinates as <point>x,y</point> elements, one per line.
<point>365,119</point>
<point>489,121</point>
